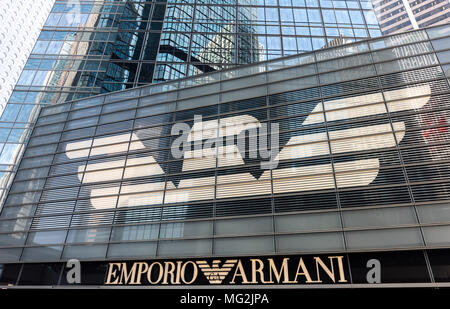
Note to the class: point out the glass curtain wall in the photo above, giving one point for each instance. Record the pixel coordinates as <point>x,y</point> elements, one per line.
<point>204,35</point>
<point>91,47</point>
<point>85,48</point>
<point>362,162</point>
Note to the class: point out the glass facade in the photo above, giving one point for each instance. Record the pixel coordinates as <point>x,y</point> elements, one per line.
<point>212,34</point>
<point>92,47</point>
<point>361,162</point>
<point>397,16</point>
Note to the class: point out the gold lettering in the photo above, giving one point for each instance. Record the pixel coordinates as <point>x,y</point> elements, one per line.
<point>329,272</point>
<point>258,270</point>
<point>168,272</point>
<point>301,266</point>
<point>177,280</point>
<point>183,272</point>
<point>284,269</point>
<point>112,273</point>
<point>118,273</point>
<point>160,274</point>
<point>341,268</point>
<point>141,271</point>
<point>128,275</point>
<point>240,269</point>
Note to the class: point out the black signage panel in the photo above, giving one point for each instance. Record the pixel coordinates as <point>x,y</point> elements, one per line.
<point>440,264</point>
<point>389,267</point>
<point>317,269</point>
<point>302,270</point>
<point>9,274</point>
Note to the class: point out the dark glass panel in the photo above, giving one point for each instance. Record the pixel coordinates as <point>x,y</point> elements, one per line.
<point>439,260</point>
<point>40,274</point>
<point>9,274</point>
<point>244,207</point>
<point>320,200</point>
<point>376,196</point>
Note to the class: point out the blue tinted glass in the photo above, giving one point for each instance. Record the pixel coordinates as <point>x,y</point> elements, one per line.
<point>273,43</point>
<point>271,14</point>
<point>302,30</point>
<point>60,35</point>
<point>285,2</point>
<point>47,64</point>
<point>10,112</point>
<point>271,2</point>
<point>317,31</point>
<point>326,3</point>
<point>7,156</point>
<point>32,97</point>
<point>300,16</point>
<point>352,4</point>
<point>441,43</point>
<point>314,16</point>
<point>26,77</point>
<point>4,132</point>
<point>360,32</point>
<point>32,64</point>
<point>332,31</point>
<point>45,35</point>
<point>54,47</point>
<point>446,69</point>
<point>286,15</point>
<point>304,43</point>
<point>371,19</point>
<point>40,78</point>
<point>356,17</point>
<point>273,29</point>
<point>366,5</point>
<point>318,43</point>
<point>17,97</point>
<point>288,30</point>
<point>53,19</point>
<point>346,32</point>
<point>25,112</point>
<point>86,8</point>
<point>289,43</point>
<point>15,135</point>
<point>375,33</point>
<point>342,17</point>
<point>312,3</point>
<point>444,57</point>
<point>40,47</point>
<point>339,4</point>
<point>328,16</point>
<point>438,32</point>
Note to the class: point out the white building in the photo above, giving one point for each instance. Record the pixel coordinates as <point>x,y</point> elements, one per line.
<point>20,24</point>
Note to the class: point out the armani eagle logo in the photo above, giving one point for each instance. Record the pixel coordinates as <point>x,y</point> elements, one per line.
<point>286,178</point>
<point>214,273</point>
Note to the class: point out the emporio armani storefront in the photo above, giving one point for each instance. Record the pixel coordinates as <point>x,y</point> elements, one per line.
<point>330,167</point>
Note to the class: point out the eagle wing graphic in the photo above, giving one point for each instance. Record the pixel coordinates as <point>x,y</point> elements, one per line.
<point>284,179</point>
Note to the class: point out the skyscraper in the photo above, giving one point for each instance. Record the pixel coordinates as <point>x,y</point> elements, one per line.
<point>21,24</point>
<point>319,168</point>
<point>91,47</point>
<point>362,130</point>
<point>396,16</point>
